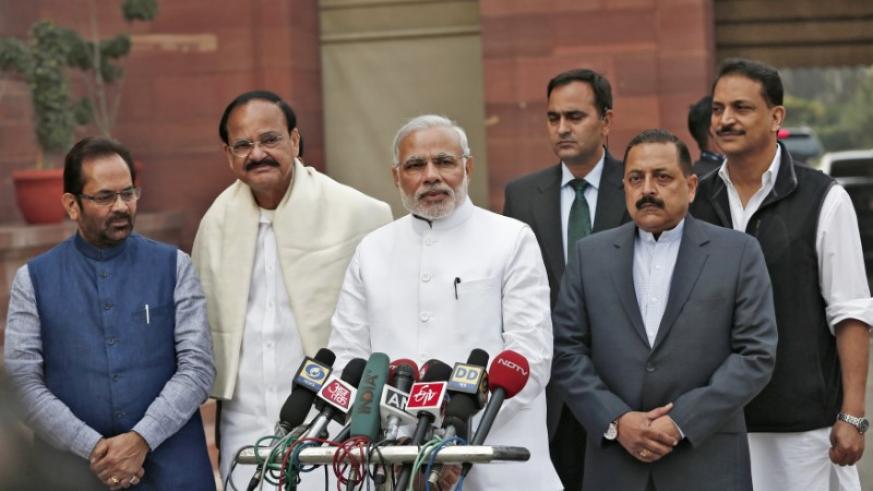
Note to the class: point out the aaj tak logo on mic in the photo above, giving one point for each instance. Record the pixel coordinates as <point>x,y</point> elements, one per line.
<point>312,374</point>
<point>338,394</point>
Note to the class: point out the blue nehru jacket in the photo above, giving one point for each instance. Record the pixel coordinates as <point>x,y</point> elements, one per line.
<point>107,356</point>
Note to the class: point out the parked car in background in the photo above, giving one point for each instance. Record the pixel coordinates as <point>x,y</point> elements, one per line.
<point>802,143</point>
<point>853,169</point>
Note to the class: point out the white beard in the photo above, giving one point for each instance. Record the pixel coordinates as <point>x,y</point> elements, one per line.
<point>456,196</point>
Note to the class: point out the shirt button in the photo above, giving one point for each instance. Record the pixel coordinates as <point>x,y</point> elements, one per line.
<point>269,345</point>
<point>654,299</point>
<point>111,341</point>
<point>650,368</point>
<point>107,306</point>
<point>115,377</point>
<point>120,414</point>
<point>425,316</point>
<point>425,277</point>
<point>104,274</point>
<point>428,241</point>
<point>269,305</point>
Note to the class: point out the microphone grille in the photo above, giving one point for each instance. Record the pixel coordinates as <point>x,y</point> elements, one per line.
<point>325,356</point>
<point>435,371</point>
<point>353,372</point>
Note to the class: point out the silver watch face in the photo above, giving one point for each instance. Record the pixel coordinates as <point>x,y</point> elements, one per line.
<point>863,425</point>
<point>611,432</point>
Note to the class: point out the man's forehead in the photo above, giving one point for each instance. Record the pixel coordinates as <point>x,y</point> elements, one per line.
<point>430,141</point>
<point>256,116</point>
<point>653,156</point>
<point>105,171</point>
<point>732,88</point>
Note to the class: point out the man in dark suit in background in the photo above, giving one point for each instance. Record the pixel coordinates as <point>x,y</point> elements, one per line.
<point>580,195</point>
<point>699,116</point>
<point>664,330</point>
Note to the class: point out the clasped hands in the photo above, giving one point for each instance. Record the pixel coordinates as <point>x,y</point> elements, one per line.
<point>648,436</point>
<point>117,461</point>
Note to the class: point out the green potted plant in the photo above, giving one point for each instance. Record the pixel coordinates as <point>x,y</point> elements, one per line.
<point>44,61</point>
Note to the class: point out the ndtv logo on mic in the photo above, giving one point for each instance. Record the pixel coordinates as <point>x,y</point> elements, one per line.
<point>511,365</point>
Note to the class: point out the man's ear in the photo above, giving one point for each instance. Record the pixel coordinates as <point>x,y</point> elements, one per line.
<point>777,116</point>
<point>395,174</point>
<point>71,205</point>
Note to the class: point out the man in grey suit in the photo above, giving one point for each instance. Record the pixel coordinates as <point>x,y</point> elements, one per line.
<point>664,330</point>
<point>580,195</point>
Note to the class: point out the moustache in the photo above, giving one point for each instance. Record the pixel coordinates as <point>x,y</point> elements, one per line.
<point>649,200</point>
<point>729,130</point>
<point>119,216</point>
<point>435,188</point>
<point>264,161</point>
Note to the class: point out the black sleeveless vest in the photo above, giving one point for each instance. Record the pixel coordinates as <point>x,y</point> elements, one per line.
<point>805,392</point>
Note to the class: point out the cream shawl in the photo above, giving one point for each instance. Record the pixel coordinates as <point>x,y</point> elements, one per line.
<point>318,225</point>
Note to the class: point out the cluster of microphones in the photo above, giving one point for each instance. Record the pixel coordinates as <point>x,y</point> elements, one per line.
<point>378,402</point>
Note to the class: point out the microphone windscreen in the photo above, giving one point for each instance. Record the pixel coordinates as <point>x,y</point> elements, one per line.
<point>434,370</point>
<point>365,411</point>
<point>478,357</point>
<point>296,407</point>
<point>509,371</point>
<point>353,371</point>
<point>461,406</point>
<point>325,356</point>
<point>401,362</point>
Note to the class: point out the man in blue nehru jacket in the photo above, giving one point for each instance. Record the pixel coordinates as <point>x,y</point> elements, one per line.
<point>107,339</point>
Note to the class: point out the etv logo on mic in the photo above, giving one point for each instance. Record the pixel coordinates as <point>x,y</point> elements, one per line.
<point>312,375</point>
<point>425,395</point>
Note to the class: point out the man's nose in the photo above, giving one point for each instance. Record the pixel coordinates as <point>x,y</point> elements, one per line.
<point>563,126</point>
<point>431,172</point>
<point>649,185</point>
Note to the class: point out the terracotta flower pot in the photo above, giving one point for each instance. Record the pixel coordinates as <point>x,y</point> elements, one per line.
<point>39,195</point>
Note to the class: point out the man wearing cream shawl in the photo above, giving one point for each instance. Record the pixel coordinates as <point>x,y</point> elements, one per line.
<point>271,251</point>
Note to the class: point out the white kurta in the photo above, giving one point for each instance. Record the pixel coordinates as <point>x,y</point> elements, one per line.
<point>399,298</point>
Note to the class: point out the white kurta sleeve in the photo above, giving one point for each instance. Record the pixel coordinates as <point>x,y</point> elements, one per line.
<point>842,277</point>
<point>350,329</point>
<point>527,319</point>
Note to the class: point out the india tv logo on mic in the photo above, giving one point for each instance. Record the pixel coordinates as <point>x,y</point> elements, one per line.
<point>312,374</point>
<point>338,394</point>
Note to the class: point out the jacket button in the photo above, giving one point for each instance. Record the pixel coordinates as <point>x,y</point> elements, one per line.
<point>650,368</point>
<point>107,306</point>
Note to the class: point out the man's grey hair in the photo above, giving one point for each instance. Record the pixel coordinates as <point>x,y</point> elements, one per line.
<point>427,121</point>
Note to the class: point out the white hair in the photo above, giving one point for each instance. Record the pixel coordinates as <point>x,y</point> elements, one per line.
<point>428,121</point>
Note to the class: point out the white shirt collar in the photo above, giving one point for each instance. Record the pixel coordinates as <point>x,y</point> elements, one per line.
<point>593,176</point>
<point>667,236</point>
<point>768,179</point>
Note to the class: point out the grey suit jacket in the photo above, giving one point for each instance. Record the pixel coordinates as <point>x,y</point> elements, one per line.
<point>715,350</point>
<point>536,200</point>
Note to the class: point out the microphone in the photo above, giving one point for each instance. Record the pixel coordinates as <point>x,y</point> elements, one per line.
<point>310,376</point>
<point>335,398</point>
<point>426,400</point>
<point>365,412</point>
<point>508,375</point>
<point>467,388</point>
<point>392,405</point>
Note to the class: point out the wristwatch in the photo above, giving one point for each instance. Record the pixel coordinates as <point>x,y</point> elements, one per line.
<point>858,422</point>
<point>612,431</point>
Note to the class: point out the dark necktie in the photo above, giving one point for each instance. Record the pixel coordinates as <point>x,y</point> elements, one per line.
<point>579,224</point>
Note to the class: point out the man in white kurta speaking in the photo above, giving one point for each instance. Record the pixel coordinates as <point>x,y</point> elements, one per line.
<point>271,252</point>
<point>448,278</point>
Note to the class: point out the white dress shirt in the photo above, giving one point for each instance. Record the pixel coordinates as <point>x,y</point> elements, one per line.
<point>800,460</point>
<point>271,353</point>
<point>654,261</point>
<point>399,298</point>
<point>568,195</point>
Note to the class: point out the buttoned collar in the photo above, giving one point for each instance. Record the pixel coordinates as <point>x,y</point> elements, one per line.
<point>91,251</point>
<point>667,236</point>
<point>460,215</point>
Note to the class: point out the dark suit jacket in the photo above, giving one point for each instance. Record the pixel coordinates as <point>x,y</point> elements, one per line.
<point>536,200</point>
<point>714,351</point>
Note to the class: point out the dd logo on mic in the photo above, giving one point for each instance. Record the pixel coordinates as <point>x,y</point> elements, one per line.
<point>466,378</point>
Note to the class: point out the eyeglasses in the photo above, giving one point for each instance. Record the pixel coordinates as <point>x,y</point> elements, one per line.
<point>243,148</point>
<point>106,198</point>
<point>444,161</point>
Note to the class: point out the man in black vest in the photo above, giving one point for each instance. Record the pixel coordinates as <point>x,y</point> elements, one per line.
<point>580,195</point>
<point>806,428</point>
